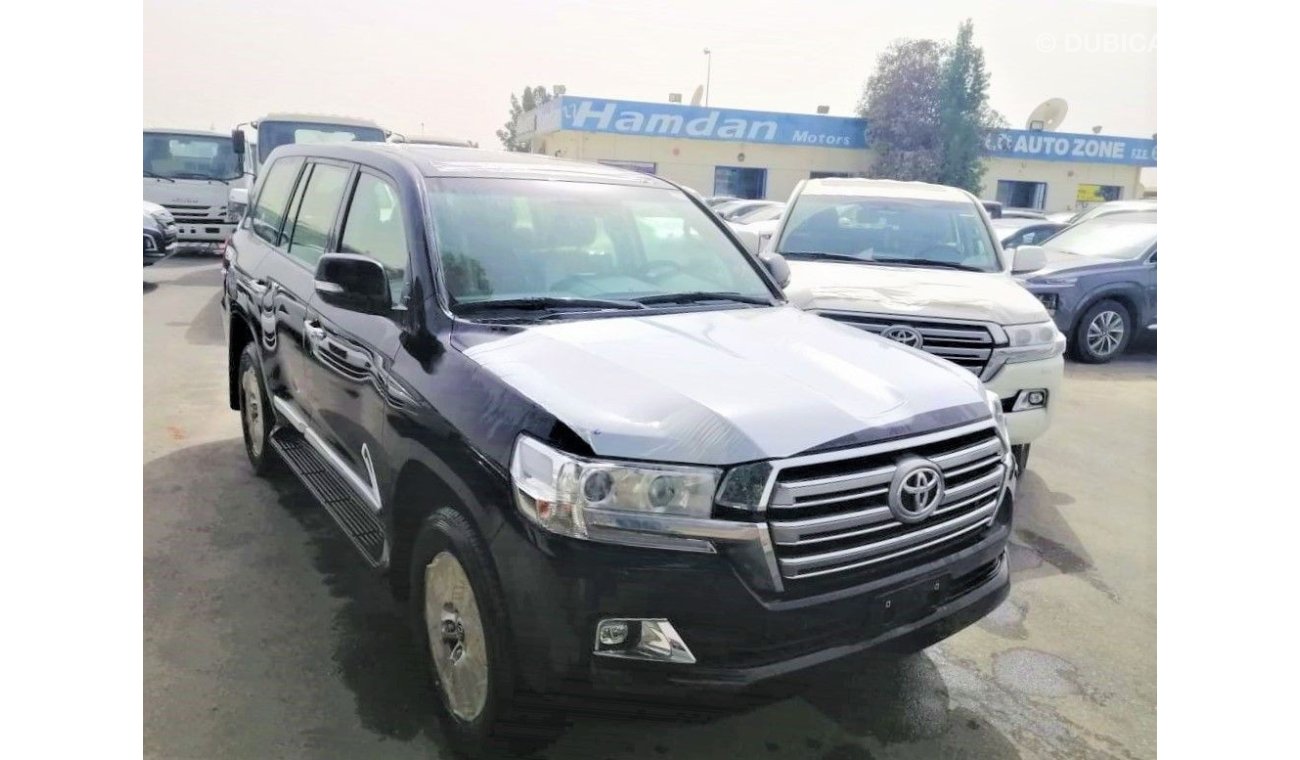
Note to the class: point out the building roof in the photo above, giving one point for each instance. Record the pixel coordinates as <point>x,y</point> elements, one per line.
<point>884,188</point>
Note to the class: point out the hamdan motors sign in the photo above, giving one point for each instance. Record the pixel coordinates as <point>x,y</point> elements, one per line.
<point>1060,146</point>
<point>701,123</point>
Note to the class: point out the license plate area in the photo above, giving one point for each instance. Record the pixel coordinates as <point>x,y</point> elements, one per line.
<point>908,603</point>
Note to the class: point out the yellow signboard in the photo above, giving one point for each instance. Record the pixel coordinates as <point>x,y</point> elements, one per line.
<point>1097,193</point>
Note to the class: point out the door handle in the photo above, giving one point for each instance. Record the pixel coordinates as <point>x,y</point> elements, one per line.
<point>314,331</point>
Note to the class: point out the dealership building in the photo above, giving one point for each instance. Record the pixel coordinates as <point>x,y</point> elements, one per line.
<point>761,154</point>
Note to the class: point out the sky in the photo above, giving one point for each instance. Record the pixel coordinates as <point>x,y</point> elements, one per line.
<point>448,68</point>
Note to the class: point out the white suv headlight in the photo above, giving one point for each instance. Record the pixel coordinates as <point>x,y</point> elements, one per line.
<point>1027,343</point>
<point>555,490</point>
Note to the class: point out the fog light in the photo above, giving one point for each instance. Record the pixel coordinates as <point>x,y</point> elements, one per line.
<point>655,640</point>
<point>1035,398</point>
<point>612,633</point>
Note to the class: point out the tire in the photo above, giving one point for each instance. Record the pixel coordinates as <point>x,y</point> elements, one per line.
<point>1020,452</point>
<point>451,576</point>
<point>1102,333</point>
<point>255,412</point>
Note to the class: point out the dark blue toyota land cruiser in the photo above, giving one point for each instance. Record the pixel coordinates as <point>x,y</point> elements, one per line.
<point>571,417</point>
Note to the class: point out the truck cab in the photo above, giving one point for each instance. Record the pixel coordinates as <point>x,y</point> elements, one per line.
<point>255,140</point>
<point>919,264</point>
<point>191,174</point>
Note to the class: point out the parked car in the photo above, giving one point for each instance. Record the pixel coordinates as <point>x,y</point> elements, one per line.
<point>732,210</point>
<point>159,233</point>
<point>1099,282</point>
<point>766,213</point>
<point>586,452</point>
<point>1022,213</point>
<point>1063,217</point>
<point>994,209</point>
<point>1113,207</point>
<point>714,201</point>
<point>917,263</point>
<point>1014,232</point>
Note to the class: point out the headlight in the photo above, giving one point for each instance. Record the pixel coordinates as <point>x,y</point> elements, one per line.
<point>1055,282</point>
<point>556,491</point>
<point>1027,343</point>
<point>995,408</point>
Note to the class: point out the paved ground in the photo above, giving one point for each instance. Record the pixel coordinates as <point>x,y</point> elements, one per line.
<point>266,637</point>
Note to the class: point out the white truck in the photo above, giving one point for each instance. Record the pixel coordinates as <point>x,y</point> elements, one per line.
<point>191,174</point>
<point>918,263</point>
<point>255,140</point>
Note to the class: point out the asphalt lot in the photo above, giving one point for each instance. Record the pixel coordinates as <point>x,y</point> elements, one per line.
<point>265,636</point>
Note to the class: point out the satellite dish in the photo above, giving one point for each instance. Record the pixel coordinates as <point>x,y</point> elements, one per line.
<point>698,95</point>
<point>1048,116</point>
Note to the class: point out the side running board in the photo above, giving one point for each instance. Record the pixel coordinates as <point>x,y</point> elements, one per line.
<point>342,502</point>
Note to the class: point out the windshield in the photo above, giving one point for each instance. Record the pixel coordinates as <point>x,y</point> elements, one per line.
<point>895,231</point>
<point>1117,236</point>
<point>513,239</point>
<point>273,134</point>
<point>180,156</point>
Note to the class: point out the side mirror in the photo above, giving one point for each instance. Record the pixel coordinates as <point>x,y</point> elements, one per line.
<point>236,204</point>
<point>352,282</point>
<point>1028,258</point>
<point>777,266</point>
<point>237,141</point>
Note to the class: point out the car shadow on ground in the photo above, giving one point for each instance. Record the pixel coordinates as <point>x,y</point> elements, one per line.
<point>854,705</point>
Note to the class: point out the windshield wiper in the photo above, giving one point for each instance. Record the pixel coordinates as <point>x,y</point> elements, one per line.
<point>151,175</point>
<point>930,263</point>
<point>209,177</point>
<point>825,255</point>
<point>538,303</point>
<point>702,295</point>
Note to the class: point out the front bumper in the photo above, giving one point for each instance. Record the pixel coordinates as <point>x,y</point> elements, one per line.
<point>559,589</point>
<point>1024,427</point>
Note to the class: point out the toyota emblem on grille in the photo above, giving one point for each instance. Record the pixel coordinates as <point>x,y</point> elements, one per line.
<point>908,336</point>
<point>916,490</point>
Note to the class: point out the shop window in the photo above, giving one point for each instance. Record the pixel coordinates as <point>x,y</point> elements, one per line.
<point>645,167</point>
<point>740,182</point>
<point>1017,194</point>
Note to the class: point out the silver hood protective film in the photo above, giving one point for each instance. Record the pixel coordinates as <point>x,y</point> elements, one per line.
<point>722,387</point>
<point>915,292</point>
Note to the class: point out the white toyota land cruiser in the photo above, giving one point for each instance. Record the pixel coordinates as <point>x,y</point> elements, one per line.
<point>918,263</point>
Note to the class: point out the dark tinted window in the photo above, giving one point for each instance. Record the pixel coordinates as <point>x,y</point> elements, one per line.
<point>273,198</point>
<point>375,228</point>
<point>317,211</point>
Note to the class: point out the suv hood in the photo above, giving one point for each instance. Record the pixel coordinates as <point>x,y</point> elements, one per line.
<point>728,386</point>
<point>912,291</point>
<point>1059,261</point>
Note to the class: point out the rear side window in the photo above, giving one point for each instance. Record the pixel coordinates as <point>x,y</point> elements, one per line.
<point>317,211</point>
<point>375,228</point>
<point>273,199</point>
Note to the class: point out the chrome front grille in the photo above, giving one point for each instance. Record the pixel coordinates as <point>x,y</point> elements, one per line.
<point>189,214</point>
<point>830,513</point>
<point>966,344</point>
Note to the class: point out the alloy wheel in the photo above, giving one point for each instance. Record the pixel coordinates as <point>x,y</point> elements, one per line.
<point>456,642</point>
<point>1105,333</point>
<point>254,420</point>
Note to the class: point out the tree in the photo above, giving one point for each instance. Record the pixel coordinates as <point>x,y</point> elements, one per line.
<point>965,116</point>
<point>927,111</point>
<point>531,98</point>
<point>901,106</point>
